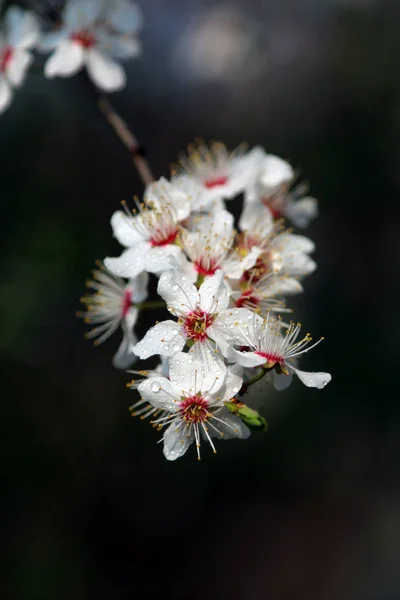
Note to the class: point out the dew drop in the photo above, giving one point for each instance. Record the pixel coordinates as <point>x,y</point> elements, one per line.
<point>175,286</point>
<point>155,387</point>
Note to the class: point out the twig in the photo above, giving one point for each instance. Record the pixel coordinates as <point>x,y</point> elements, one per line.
<point>128,139</point>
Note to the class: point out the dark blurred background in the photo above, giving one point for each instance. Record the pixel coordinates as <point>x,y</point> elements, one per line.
<point>310,510</point>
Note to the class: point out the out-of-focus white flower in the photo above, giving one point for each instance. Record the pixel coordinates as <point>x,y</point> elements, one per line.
<point>193,399</point>
<point>209,246</point>
<point>280,251</point>
<point>91,34</point>
<point>272,189</point>
<point>19,33</point>
<point>220,173</point>
<point>150,236</point>
<point>111,305</point>
<point>268,347</point>
<point>203,315</point>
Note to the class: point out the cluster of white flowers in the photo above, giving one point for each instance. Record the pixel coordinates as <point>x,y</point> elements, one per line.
<point>224,288</point>
<point>87,33</point>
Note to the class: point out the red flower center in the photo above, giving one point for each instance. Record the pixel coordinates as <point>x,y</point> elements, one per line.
<point>261,268</point>
<point>215,181</point>
<point>5,58</point>
<point>196,324</point>
<point>248,297</point>
<point>205,269</point>
<point>161,238</point>
<point>194,409</point>
<point>126,302</point>
<point>84,38</point>
<point>271,358</point>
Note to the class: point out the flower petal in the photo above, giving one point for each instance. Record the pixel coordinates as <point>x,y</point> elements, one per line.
<point>176,440</point>
<point>160,392</point>
<point>130,263</point>
<point>106,73</point>
<point>125,16</point>
<point>256,219</point>
<point>82,13</point>
<point>275,172</point>
<point>232,384</point>
<point>162,193</point>
<point>282,381</point>
<point>178,291</point>
<point>66,60</point>
<point>301,212</point>
<point>293,243</point>
<point>214,294</point>
<point>231,427</point>
<point>317,380</point>
<point>124,230</point>
<point>5,94</point>
<point>138,285</point>
<point>162,258</point>
<point>125,357</point>
<point>22,28</point>
<point>208,371</point>
<point>18,66</point>
<point>164,338</point>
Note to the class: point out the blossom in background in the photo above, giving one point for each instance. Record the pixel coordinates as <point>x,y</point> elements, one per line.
<point>19,34</point>
<point>111,305</point>
<point>220,174</point>
<point>91,34</point>
<point>270,348</point>
<point>150,236</point>
<point>192,400</point>
<point>203,316</point>
<point>272,189</point>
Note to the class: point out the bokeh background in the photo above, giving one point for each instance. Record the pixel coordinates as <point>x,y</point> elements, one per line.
<point>89,505</point>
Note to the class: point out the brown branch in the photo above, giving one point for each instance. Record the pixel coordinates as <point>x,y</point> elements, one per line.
<point>128,139</point>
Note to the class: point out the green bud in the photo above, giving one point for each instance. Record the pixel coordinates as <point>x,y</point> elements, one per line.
<point>249,416</point>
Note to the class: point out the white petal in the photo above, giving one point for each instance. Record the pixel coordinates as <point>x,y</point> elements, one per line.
<point>66,60</point>
<point>22,28</point>
<point>317,380</point>
<point>18,66</point>
<point>234,266</point>
<point>138,285</point>
<point>218,226</point>
<point>238,326</point>
<point>125,357</point>
<point>164,338</point>
<point>232,384</point>
<point>299,264</point>
<point>198,371</point>
<point>214,294</point>
<point>123,229</point>
<point>176,440</point>
<point>160,392</point>
<point>82,13</point>
<point>106,73</point>
<point>178,291</point>
<point>125,16</point>
<point>162,258</point>
<point>281,285</point>
<point>256,218</point>
<point>50,41</point>
<point>232,426</point>
<point>276,171</point>
<point>293,243</point>
<point>282,381</point>
<point>245,359</point>
<point>130,263</point>
<point>301,212</point>
<point>162,194</point>
<point>5,94</point>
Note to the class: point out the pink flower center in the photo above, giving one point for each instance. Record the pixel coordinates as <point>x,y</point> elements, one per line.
<point>161,238</point>
<point>84,38</point>
<point>196,324</point>
<point>271,358</point>
<point>126,302</point>
<point>215,181</point>
<point>261,268</point>
<point>205,269</point>
<point>248,297</point>
<point>194,409</point>
<point>5,58</point>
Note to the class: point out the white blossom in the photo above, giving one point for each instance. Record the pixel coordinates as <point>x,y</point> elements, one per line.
<point>270,348</point>
<point>150,236</point>
<point>19,34</point>
<point>192,401</point>
<point>203,316</point>
<point>112,305</point>
<point>90,35</point>
<point>219,173</point>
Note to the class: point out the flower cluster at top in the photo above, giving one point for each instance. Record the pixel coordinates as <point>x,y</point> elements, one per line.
<point>87,33</point>
<point>225,289</point>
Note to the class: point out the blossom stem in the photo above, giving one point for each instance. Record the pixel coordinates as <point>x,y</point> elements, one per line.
<point>128,139</point>
<point>151,305</point>
<point>252,381</point>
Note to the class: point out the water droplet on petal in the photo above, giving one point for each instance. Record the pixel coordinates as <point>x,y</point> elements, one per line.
<point>175,286</point>
<point>155,387</point>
